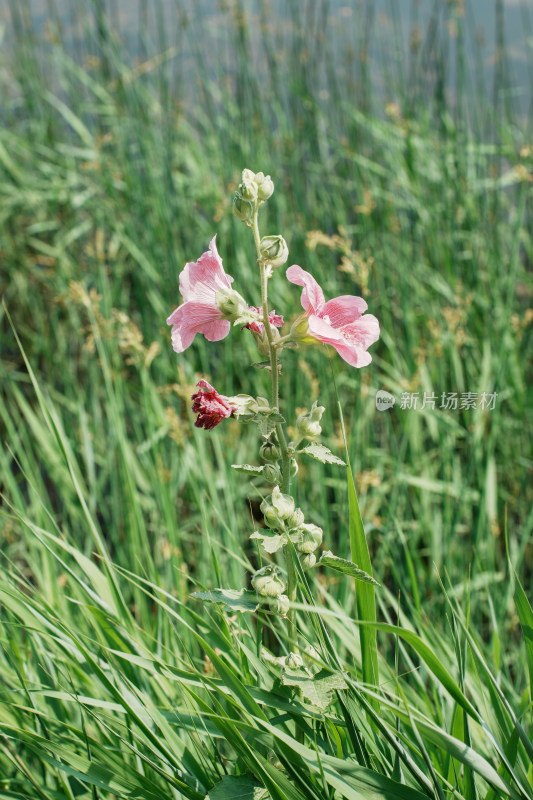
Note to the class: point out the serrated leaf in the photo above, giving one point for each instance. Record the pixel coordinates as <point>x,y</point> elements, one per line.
<point>317,689</point>
<point>231,599</point>
<point>322,453</point>
<point>238,787</point>
<point>346,567</point>
<point>270,544</point>
<point>247,468</point>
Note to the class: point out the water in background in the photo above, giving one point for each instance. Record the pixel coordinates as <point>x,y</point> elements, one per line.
<point>388,44</point>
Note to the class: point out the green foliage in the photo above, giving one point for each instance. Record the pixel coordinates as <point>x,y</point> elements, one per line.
<point>115,509</point>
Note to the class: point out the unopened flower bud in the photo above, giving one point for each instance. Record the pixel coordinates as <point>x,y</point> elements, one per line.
<point>242,208</point>
<point>269,452</point>
<point>270,516</point>
<point>274,250</point>
<point>267,582</point>
<point>265,186</point>
<point>309,424</point>
<point>248,186</point>
<point>294,661</point>
<point>283,503</point>
<point>272,473</point>
<point>296,518</point>
<point>308,561</point>
<point>309,538</point>
<point>293,468</point>
<point>282,604</point>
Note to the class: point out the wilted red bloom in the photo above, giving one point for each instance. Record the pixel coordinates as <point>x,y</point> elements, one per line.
<point>210,406</point>
<point>276,321</point>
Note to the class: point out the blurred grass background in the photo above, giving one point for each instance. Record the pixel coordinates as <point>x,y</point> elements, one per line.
<point>403,173</point>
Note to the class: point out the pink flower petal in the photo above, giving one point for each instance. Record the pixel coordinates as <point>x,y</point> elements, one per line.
<point>200,280</point>
<point>344,309</point>
<point>216,330</point>
<point>355,356</point>
<point>363,331</point>
<point>312,295</point>
<point>324,331</point>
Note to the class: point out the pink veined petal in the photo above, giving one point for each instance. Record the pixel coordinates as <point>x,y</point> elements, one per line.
<point>216,330</point>
<point>191,318</point>
<point>312,295</point>
<point>203,384</point>
<point>363,332</point>
<point>323,331</point>
<point>353,355</point>
<point>200,280</point>
<point>344,309</point>
<point>182,337</point>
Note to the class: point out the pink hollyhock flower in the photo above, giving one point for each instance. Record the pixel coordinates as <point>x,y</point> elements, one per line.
<point>276,320</point>
<point>210,406</point>
<point>339,322</point>
<point>202,283</point>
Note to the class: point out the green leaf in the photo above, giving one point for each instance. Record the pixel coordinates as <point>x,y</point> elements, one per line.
<point>270,544</point>
<point>247,468</point>
<point>323,454</point>
<point>238,787</point>
<point>525,615</point>
<point>347,567</point>
<point>231,599</point>
<point>365,595</point>
<point>318,689</point>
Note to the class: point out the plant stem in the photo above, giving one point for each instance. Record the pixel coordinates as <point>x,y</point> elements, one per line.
<point>273,356</point>
<point>292,584</point>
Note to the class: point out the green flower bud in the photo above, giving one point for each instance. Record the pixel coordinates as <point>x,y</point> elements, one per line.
<point>294,661</point>
<point>243,209</point>
<point>309,537</point>
<point>293,468</point>
<point>272,473</point>
<point>308,425</point>
<point>270,516</point>
<point>308,561</point>
<point>267,582</point>
<point>248,186</point>
<point>274,250</point>
<point>265,186</point>
<point>283,503</point>
<point>296,518</point>
<point>270,451</point>
<point>282,604</point>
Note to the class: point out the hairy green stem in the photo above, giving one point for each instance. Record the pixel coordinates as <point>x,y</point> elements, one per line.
<point>292,584</point>
<point>273,356</point>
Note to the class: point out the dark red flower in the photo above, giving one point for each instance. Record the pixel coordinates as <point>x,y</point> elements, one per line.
<point>210,406</point>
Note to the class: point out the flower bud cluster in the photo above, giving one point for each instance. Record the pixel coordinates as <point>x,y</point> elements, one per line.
<point>254,189</point>
<point>280,512</point>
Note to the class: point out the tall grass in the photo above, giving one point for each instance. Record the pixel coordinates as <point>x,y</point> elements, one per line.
<point>116,171</point>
